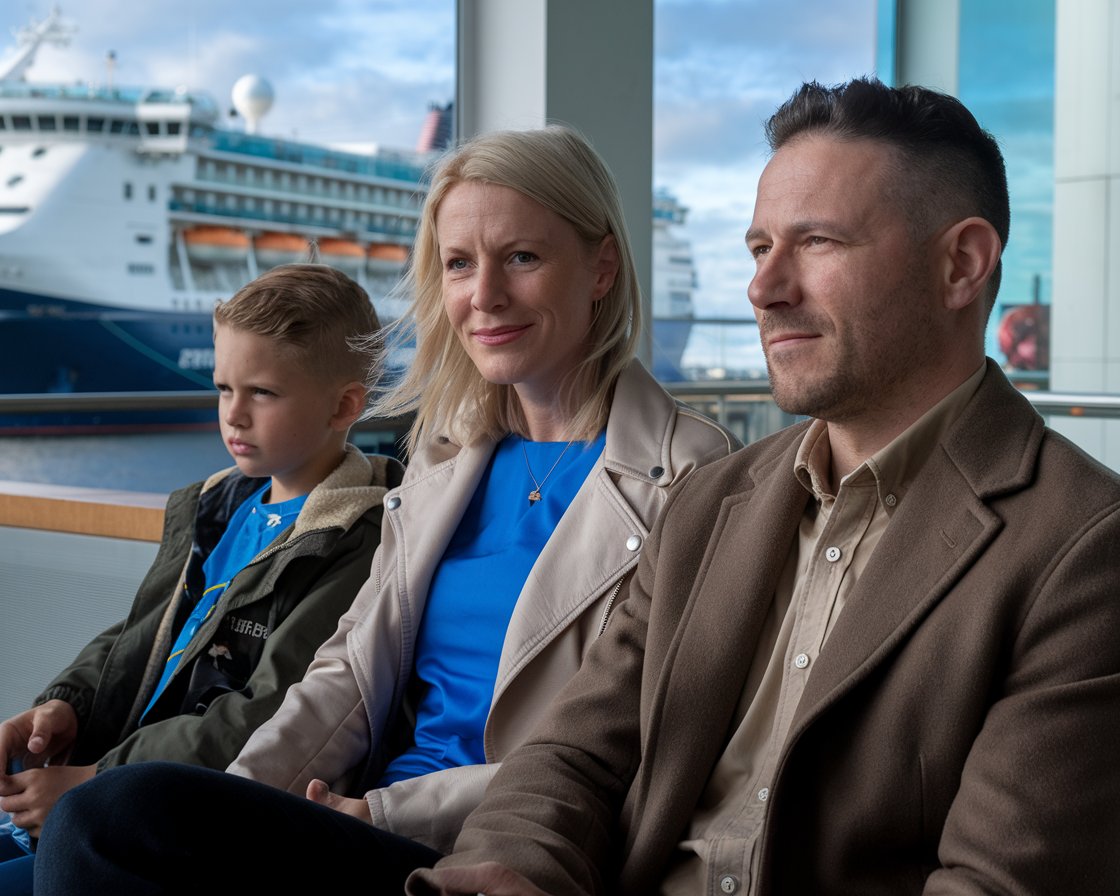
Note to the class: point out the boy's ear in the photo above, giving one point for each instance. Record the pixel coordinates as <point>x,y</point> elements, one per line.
<point>351,403</point>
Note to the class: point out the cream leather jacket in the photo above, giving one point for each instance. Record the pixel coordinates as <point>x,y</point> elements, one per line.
<point>337,723</point>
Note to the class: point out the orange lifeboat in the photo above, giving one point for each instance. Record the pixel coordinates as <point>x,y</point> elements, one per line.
<point>279,248</point>
<point>345,255</point>
<point>386,257</point>
<point>212,244</point>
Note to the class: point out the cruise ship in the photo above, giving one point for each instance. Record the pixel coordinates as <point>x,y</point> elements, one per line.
<point>126,212</point>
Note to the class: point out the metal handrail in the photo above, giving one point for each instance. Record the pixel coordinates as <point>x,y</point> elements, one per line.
<point>1068,404</point>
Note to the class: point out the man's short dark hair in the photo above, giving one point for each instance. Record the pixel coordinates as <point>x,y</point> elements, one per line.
<point>949,167</point>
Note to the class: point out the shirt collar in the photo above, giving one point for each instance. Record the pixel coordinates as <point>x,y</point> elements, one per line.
<point>893,467</point>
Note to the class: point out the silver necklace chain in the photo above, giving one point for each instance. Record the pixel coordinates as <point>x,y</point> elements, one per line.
<point>535,494</point>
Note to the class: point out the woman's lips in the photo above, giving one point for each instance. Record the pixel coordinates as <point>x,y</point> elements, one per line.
<point>498,335</point>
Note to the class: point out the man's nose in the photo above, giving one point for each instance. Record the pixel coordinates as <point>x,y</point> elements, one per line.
<point>775,279</point>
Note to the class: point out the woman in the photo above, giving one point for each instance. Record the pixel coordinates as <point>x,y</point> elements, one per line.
<point>540,455</point>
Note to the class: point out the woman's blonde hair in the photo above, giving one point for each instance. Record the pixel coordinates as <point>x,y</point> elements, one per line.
<point>556,167</point>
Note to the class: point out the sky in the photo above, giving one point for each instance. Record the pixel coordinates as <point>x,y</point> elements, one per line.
<point>365,71</point>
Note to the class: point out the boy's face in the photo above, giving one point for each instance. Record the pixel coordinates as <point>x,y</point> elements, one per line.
<point>277,419</point>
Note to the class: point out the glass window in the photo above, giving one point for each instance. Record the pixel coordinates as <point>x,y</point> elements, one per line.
<point>720,70</point>
<point>1007,80</point>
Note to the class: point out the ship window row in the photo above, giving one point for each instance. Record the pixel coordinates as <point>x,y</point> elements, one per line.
<point>92,124</point>
<point>301,214</point>
<point>279,181</point>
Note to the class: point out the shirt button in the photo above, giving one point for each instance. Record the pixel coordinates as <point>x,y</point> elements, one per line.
<point>393,503</point>
<point>633,543</point>
<point>832,554</point>
<point>801,661</point>
<point>764,794</point>
<point>728,884</point>
<point>890,500</point>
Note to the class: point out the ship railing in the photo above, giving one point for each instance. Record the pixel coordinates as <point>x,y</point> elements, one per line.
<point>744,406</point>
<point>382,165</point>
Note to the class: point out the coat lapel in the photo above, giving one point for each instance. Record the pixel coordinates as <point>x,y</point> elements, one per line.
<point>430,511</point>
<point>705,663</point>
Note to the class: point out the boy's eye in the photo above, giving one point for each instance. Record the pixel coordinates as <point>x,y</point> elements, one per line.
<point>259,391</point>
<point>221,387</point>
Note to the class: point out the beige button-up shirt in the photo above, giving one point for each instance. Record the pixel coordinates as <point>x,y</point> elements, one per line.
<point>837,536</point>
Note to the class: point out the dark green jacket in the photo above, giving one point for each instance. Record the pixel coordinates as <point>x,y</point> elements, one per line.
<point>259,639</point>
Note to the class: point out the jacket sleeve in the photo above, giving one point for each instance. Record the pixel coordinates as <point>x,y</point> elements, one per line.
<point>214,737</point>
<point>1036,810</point>
<point>431,808</point>
<point>78,684</point>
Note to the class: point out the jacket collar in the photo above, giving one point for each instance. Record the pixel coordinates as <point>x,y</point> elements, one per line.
<point>640,426</point>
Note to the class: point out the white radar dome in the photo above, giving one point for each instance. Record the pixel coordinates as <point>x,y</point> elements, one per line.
<point>252,98</point>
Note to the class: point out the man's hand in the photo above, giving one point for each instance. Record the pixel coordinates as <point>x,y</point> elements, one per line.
<point>485,879</point>
<point>38,735</point>
<point>319,792</point>
<point>29,796</point>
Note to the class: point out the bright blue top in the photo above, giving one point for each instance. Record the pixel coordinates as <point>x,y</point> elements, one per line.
<point>251,529</point>
<point>473,593</point>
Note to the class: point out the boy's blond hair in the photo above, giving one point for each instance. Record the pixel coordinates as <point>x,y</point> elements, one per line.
<point>319,314</point>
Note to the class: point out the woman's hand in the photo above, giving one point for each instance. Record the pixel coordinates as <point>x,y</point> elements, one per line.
<point>319,792</point>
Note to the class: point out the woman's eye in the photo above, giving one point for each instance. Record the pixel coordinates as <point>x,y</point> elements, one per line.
<point>524,257</point>
<point>456,264</point>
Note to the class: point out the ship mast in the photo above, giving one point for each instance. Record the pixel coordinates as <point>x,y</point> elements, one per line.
<point>53,29</point>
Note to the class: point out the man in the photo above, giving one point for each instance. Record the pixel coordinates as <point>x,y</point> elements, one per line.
<point>876,652</point>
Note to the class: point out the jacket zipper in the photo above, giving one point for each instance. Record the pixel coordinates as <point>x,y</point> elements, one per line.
<point>610,606</point>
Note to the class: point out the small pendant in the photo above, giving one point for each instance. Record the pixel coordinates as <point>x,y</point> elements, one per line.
<point>534,496</point>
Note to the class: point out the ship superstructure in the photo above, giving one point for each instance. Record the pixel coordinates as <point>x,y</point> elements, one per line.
<point>125,212</point>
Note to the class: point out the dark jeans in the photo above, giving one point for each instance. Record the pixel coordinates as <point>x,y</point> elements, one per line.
<point>162,827</point>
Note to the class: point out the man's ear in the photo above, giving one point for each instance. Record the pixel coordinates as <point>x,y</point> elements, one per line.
<point>970,251</point>
<point>351,403</point>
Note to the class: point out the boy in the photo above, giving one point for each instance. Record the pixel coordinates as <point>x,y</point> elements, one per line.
<point>255,566</point>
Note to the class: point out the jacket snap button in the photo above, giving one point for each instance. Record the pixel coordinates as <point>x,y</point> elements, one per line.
<point>393,503</point>
<point>656,472</point>
<point>633,543</point>
<point>728,884</point>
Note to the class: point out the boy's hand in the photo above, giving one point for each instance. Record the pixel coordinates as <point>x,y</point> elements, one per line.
<point>38,735</point>
<point>319,792</point>
<point>29,796</point>
<point>485,879</point>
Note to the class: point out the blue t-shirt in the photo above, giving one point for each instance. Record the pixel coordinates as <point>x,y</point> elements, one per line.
<point>252,528</point>
<point>473,593</point>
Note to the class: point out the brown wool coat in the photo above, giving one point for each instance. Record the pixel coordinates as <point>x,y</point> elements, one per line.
<point>958,733</point>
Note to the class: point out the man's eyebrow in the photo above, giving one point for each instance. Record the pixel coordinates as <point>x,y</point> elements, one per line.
<point>797,229</point>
